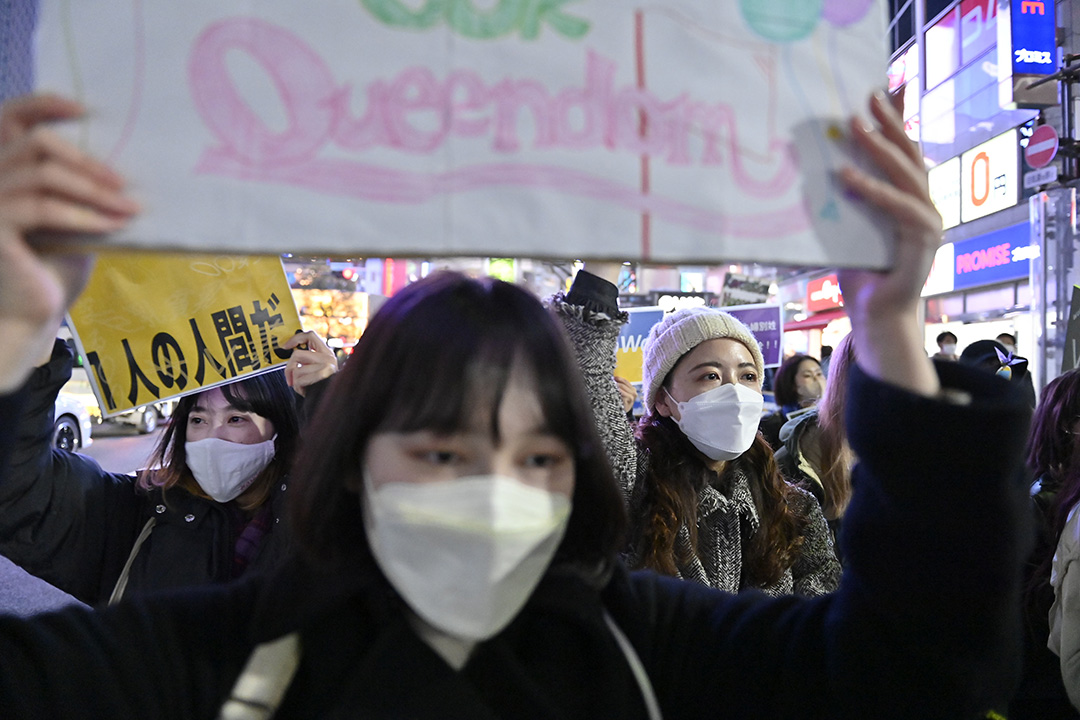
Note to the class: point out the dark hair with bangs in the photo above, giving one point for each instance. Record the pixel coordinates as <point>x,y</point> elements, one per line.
<point>1051,451</point>
<point>432,355</point>
<point>1053,459</point>
<point>266,394</point>
<point>785,389</point>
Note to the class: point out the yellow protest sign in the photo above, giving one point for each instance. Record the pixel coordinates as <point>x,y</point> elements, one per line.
<point>151,326</point>
<point>628,349</point>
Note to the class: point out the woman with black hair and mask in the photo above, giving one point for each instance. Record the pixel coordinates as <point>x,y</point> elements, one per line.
<point>208,507</point>
<point>1050,684</point>
<point>797,387</point>
<point>458,550</point>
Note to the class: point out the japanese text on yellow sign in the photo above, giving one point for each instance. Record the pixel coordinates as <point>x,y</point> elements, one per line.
<point>156,326</point>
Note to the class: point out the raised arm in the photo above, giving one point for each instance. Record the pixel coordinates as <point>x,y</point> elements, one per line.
<point>590,313</point>
<point>47,185</point>
<point>883,306</point>
<point>937,530</point>
<point>51,195</point>
<point>926,620</point>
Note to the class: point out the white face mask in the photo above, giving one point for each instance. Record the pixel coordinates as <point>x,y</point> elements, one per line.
<point>464,554</point>
<point>225,469</point>
<point>810,391</point>
<point>948,349</point>
<point>722,422</point>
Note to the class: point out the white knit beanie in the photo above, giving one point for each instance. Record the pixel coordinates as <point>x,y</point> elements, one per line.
<point>679,333</point>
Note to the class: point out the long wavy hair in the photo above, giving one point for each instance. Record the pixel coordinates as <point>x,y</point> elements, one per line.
<point>676,475</point>
<point>1054,459</point>
<point>266,394</point>
<point>837,459</point>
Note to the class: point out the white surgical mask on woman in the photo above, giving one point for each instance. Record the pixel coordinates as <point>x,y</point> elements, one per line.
<point>722,422</point>
<point>464,554</point>
<point>226,469</point>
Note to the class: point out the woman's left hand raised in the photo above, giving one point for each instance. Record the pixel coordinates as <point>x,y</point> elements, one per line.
<point>309,364</point>
<point>883,305</point>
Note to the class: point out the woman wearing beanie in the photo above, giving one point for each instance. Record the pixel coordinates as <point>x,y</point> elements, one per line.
<point>706,500</point>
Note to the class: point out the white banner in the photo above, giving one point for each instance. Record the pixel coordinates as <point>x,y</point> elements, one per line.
<point>688,130</point>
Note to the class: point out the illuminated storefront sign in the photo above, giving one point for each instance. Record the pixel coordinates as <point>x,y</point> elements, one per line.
<point>997,256</point>
<point>1027,51</point>
<point>942,42</point>
<point>1033,41</point>
<point>989,177</point>
<point>978,28</point>
<point>823,294</point>
<point>940,278</point>
<point>945,191</point>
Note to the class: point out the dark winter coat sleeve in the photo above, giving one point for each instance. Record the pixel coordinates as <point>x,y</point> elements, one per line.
<point>62,517</point>
<point>174,655</point>
<point>11,406</point>
<point>925,623</point>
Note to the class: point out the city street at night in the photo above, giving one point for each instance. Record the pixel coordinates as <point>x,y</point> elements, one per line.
<point>121,448</point>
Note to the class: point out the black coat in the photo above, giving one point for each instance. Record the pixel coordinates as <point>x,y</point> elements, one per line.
<point>71,523</point>
<point>924,625</point>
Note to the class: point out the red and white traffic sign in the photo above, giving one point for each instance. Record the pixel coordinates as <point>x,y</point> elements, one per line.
<point>1042,146</point>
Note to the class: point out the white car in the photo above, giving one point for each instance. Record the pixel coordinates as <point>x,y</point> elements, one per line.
<point>145,419</point>
<point>72,423</point>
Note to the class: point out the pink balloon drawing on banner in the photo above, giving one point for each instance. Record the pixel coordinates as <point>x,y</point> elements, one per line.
<point>842,13</point>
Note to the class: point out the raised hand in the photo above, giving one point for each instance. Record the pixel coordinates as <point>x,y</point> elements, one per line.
<point>47,185</point>
<point>883,305</point>
<point>309,364</point>
<point>627,392</point>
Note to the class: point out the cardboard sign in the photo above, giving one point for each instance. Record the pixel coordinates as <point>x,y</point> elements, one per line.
<point>766,322</point>
<point>687,131</point>
<point>743,290</point>
<point>156,326</point>
<point>632,337</point>
<point>629,350</point>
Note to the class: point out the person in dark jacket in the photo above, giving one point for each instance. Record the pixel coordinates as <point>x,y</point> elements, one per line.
<point>815,453</point>
<point>799,384</point>
<point>459,550</point>
<point>208,507</point>
<point>1054,463</point>
<point>203,511</point>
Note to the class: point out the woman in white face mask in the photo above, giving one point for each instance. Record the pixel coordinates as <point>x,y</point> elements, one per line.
<point>458,529</point>
<point>797,387</point>
<point>206,509</point>
<point>707,502</point>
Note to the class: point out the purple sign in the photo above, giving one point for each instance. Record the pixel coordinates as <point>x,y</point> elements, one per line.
<point>765,322</point>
